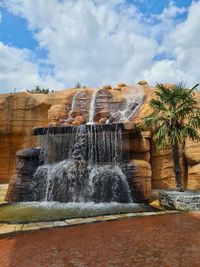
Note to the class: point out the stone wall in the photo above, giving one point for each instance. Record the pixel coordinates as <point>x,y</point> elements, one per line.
<point>186,201</point>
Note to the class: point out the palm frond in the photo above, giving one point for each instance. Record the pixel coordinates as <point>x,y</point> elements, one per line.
<point>161,135</point>
<point>191,133</point>
<point>175,115</point>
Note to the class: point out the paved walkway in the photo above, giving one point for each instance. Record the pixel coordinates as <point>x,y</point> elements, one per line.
<point>160,241</point>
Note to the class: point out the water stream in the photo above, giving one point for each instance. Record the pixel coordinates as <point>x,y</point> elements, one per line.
<point>92,107</point>
<point>86,165</point>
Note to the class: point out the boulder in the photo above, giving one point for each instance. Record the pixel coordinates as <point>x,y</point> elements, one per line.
<point>57,112</point>
<point>21,185</point>
<point>74,113</point>
<point>81,119</point>
<point>102,121</point>
<point>107,87</point>
<point>76,123</point>
<point>120,85</point>
<point>103,114</point>
<point>143,82</point>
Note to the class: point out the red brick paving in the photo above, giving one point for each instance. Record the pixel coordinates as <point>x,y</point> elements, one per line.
<point>164,241</point>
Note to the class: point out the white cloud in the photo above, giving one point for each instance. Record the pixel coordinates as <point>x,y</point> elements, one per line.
<point>17,71</point>
<point>99,41</point>
<point>183,44</point>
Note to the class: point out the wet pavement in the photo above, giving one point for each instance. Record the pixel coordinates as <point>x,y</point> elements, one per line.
<point>167,240</point>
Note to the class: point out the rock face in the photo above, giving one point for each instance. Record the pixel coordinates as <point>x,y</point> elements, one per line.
<point>21,112</point>
<point>193,181</point>
<point>192,155</point>
<point>140,176</point>
<point>162,168</point>
<point>21,186</point>
<point>99,105</point>
<point>192,152</point>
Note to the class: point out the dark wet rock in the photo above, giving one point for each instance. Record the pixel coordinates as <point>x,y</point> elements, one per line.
<point>21,185</point>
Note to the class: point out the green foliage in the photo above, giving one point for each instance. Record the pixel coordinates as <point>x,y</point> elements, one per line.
<point>175,115</point>
<point>38,90</point>
<point>78,85</point>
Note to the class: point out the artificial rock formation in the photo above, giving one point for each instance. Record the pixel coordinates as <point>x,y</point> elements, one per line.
<point>140,174</point>
<point>20,112</point>
<point>192,155</point>
<point>162,167</point>
<point>21,185</point>
<point>71,168</point>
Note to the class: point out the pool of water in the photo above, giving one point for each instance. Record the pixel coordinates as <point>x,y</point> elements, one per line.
<point>51,211</point>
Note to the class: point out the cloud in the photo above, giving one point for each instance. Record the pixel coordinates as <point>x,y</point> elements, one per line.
<point>99,41</point>
<point>93,42</point>
<point>17,70</point>
<point>183,44</point>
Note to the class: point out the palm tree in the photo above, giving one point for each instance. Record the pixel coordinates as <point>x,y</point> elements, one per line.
<point>175,116</point>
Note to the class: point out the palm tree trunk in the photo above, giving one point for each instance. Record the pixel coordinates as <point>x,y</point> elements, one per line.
<point>177,168</point>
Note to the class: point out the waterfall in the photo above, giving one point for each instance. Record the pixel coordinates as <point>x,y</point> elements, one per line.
<point>134,99</point>
<point>73,104</point>
<point>92,107</point>
<point>87,164</point>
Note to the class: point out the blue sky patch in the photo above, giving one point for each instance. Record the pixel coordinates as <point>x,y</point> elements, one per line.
<point>14,31</point>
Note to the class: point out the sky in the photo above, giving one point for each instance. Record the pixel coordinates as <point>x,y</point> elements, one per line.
<point>57,43</point>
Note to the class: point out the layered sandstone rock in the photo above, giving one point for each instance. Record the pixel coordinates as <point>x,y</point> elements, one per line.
<point>192,152</point>
<point>57,112</point>
<point>193,181</point>
<point>140,178</point>
<point>19,113</point>
<point>99,105</point>
<point>162,168</point>
<point>192,155</point>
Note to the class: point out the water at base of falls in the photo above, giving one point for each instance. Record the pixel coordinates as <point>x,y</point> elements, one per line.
<point>85,166</point>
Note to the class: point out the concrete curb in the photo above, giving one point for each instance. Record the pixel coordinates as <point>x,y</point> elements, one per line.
<point>18,228</point>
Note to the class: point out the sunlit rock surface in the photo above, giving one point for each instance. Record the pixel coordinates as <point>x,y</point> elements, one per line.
<point>20,112</point>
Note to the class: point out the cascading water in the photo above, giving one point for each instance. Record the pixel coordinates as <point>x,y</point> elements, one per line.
<point>134,100</point>
<point>73,104</point>
<point>92,107</point>
<point>85,165</point>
